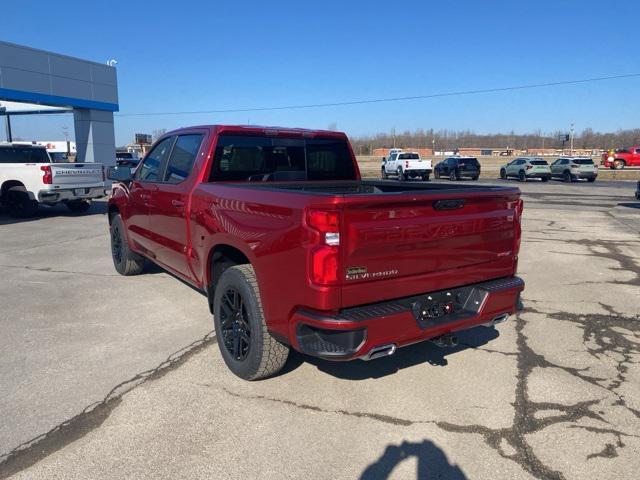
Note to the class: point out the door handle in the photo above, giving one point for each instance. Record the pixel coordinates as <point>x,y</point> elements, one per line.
<point>177,203</point>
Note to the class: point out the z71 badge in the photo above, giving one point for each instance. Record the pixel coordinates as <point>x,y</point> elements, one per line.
<point>361,273</point>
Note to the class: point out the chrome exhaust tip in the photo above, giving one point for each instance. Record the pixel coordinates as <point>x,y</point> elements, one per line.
<point>380,351</point>
<point>500,318</point>
<point>496,320</point>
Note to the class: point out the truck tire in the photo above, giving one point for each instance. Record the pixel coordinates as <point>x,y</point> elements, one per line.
<point>425,177</point>
<point>79,206</point>
<point>401,175</point>
<point>19,203</point>
<point>245,343</point>
<point>383,174</point>
<point>619,164</point>
<point>126,261</point>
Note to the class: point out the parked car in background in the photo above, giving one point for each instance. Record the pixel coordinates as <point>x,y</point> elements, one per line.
<point>127,159</point>
<point>621,158</point>
<point>574,168</point>
<point>28,178</point>
<point>405,165</point>
<point>246,213</point>
<point>526,168</point>
<point>456,168</point>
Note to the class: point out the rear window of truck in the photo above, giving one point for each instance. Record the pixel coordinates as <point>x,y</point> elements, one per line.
<point>409,156</point>
<point>23,155</point>
<point>239,158</point>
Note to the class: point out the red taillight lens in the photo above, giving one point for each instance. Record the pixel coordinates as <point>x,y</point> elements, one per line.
<point>406,164</point>
<point>324,265</point>
<point>323,221</point>
<point>47,178</point>
<point>324,257</point>
<point>529,167</point>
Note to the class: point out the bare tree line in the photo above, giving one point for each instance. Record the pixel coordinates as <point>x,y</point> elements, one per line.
<point>451,139</point>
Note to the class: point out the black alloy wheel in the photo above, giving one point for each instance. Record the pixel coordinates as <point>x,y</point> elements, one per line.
<point>236,328</point>
<point>116,244</point>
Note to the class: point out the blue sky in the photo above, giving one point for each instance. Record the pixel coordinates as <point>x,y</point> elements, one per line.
<point>198,55</point>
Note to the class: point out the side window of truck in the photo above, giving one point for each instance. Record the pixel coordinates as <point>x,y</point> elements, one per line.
<point>151,166</point>
<point>182,158</point>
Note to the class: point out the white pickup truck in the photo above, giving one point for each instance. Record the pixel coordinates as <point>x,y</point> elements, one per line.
<point>405,165</point>
<point>28,177</point>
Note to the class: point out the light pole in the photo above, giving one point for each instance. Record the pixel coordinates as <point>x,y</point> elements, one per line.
<point>571,140</point>
<point>433,146</point>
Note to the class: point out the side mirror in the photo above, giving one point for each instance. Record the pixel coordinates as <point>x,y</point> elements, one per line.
<point>119,174</point>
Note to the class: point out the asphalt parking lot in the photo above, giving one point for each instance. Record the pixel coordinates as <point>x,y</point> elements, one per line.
<point>104,376</point>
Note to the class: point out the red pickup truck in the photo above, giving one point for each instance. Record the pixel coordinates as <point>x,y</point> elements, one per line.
<point>294,250</point>
<point>622,157</point>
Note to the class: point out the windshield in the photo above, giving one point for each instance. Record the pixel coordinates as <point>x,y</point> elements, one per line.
<point>409,156</point>
<point>276,158</point>
<point>23,155</point>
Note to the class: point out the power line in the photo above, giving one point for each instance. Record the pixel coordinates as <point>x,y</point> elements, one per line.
<point>386,100</point>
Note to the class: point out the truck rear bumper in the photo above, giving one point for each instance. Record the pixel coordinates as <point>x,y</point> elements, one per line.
<point>358,331</point>
<point>53,196</point>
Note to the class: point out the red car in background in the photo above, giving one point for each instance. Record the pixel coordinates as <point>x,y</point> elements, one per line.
<point>621,158</point>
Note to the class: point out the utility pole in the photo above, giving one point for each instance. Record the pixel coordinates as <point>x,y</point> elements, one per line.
<point>433,146</point>
<point>571,140</point>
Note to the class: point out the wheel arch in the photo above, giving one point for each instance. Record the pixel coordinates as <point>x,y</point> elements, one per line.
<point>8,184</point>
<point>112,212</point>
<point>221,257</point>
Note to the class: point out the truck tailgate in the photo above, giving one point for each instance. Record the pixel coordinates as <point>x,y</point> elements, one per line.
<point>411,244</point>
<point>76,174</point>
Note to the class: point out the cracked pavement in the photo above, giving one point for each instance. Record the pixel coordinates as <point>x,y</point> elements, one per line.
<point>133,386</point>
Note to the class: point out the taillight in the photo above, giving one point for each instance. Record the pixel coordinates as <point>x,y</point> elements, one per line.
<point>517,237</point>
<point>529,167</point>
<point>324,255</point>
<point>573,165</point>
<point>47,178</point>
<point>406,164</point>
